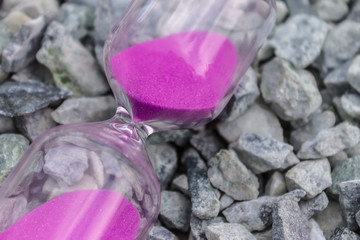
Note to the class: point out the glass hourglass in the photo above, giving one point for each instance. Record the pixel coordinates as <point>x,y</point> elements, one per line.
<point>171,64</point>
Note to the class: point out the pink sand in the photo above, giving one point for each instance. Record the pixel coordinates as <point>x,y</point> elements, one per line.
<point>180,77</point>
<point>86,215</point>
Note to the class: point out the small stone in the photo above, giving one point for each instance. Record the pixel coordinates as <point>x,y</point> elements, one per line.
<point>181,183</point>
<point>311,176</point>
<point>205,203</point>
<point>344,234</point>
<point>161,233</point>
<point>353,151</point>
<point>164,160</point>
<point>12,148</point>
<point>341,44</point>
<point>355,12</point>
<point>351,104</point>
<point>300,39</point>
<point>34,124</point>
<point>354,73</point>
<point>245,94</point>
<point>290,160</point>
<point>336,81</point>
<point>207,143</point>
<point>23,47</point>
<point>330,10</point>
<point>276,185</point>
<point>281,10</point>
<point>257,115</point>
<point>329,219</point>
<point>349,202</point>
<point>46,5</point>
<point>315,205</point>
<point>225,201</point>
<point>85,109</point>
<point>5,36</point>
<point>72,65</point>
<point>337,158</point>
<point>18,99</point>
<point>227,231</point>
<point>341,111</point>
<point>330,141</point>
<point>31,9</point>
<point>227,173</point>
<point>66,163</point>
<point>14,20</point>
<point>317,122</point>
<point>180,137</point>
<point>175,210</point>
<point>34,72</point>
<point>261,154</point>
<point>198,226</point>
<point>292,93</point>
<point>298,6</point>
<point>6,125</point>
<point>289,222</point>
<point>316,233</point>
<point>263,235</point>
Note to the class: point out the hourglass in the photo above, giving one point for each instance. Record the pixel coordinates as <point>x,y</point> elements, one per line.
<point>171,64</point>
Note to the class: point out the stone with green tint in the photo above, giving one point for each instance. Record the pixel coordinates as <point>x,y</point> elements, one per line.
<point>5,36</point>
<point>12,147</point>
<point>345,171</point>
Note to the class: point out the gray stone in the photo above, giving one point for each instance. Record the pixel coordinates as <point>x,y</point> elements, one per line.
<point>281,10</point>
<point>276,185</point>
<point>290,160</point>
<point>292,93</point>
<point>5,36</point>
<point>337,158</point>
<point>349,202</point>
<point>34,124</point>
<point>357,218</point>
<point>344,234</point>
<point>207,143</point>
<point>300,39</point>
<point>317,122</point>
<point>263,235</point>
<point>12,148</point>
<point>205,203</point>
<point>355,12</point>
<point>257,115</point>
<point>23,47</point>
<point>245,94</point>
<point>46,5</point>
<point>18,99</point>
<point>353,74</point>
<point>180,137</point>
<point>181,183</point>
<point>72,65</point>
<point>351,104</point>
<point>175,210</point>
<point>289,222</point>
<point>85,109</point>
<point>341,111</point>
<point>198,226</point>
<point>34,72</point>
<point>298,6</point>
<point>333,10</point>
<point>66,163</point>
<point>164,160</point>
<point>31,9</point>
<point>329,219</point>
<point>227,173</point>
<point>353,151</point>
<point>77,19</point>
<point>261,154</point>
<point>311,176</point>
<point>227,231</point>
<point>6,125</point>
<point>315,205</point>
<point>14,20</point>
<point>336,81</point>
<point>330,141</point>
<point>161,233</point>
<point>225,201</point>
<point>315,231</point>
<point>341,44</point>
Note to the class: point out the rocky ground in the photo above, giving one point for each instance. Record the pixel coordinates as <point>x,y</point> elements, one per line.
<point>281,162</point>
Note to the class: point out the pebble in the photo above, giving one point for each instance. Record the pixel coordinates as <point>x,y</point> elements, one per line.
<point>336,80</point>
<point>353,151</point>
<point>351,104</point>
<point>355,12</point>
<point>205,203</point>
<point>313,206</point>
<point>161,233</point>
<point>207,143</point>
<point>34,72</point>
<point>311,176</point>
<point>46,5</point>
<point>300,39</point>
<point>263,235</point>
<point>330,141</point>
<point>227,173</point>
<point>281,10</point>
<point>353,74</point>
<point>341,44</point>
<point>261,154</point>
<point>225,201</point>
<point>180,137</point>
<point>330,10</point>
<point>181,183</point>
<point>276,185</point>
<point>227,231</point>
<point>198,226</point>
<point>5,36</point>
<point>298,6</point>
<point>344,234</point>
<point>6,125</point>
<point>175,210</point>
<point>164,160</point>
<point>18,99</point>
<point>34,124</point>
<point>349,202</point>
<point>14,20</point>
<point>341,111</point>
<point>72,65</point>
<point>12,148</point>
<point>26,42</point>
<point>337,158</point>
<point>31,9</point>
<point>257,115</point>
<point>85,109</point>
<point>315,231</point>
<point>289,222</point>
